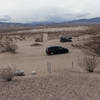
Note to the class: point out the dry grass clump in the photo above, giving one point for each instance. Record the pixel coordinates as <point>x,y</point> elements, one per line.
<point>8,45</point>
<point>94,45</point>
<point>38,40</point>
<point>11,47</point>
<point>89,63</point>
<point>7,72</point>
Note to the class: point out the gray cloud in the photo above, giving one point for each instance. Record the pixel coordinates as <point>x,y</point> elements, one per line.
<point>48,10</point>
<point>5,18</point>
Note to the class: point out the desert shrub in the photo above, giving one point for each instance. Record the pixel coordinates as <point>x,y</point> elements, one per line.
<point>11,47</point>
<point>94,45</point>
<point>40,39</point>
<point>89,63</point>
<point>8,45</point>
<point>7,72</point>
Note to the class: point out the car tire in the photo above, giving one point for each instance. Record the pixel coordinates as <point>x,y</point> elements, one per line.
<point>51,53</point>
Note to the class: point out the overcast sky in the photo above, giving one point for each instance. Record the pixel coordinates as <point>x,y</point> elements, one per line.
<point>48,10</point>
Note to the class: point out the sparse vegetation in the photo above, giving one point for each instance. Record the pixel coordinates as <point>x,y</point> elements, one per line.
<point>89,63</point>
<point>38,40</point>
<point>7,72</point>
<point>8,45</point>
<point>55,80</point>
<point>11,47</point>
<point>94,45</point>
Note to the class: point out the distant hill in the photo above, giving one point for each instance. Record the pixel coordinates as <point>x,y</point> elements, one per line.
<point>95,20</point>
<point>4,25</point>
<point>86,21</point>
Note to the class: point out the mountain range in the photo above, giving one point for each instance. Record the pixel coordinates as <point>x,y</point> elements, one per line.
<point>95,20</point>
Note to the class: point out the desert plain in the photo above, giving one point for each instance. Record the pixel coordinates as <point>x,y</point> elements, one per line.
<point>58,77</point>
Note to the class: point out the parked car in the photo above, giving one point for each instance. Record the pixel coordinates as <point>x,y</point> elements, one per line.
<point>56,50</point>
<point>65,39</point>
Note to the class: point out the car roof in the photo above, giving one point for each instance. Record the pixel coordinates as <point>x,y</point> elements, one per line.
<point>53,46</point>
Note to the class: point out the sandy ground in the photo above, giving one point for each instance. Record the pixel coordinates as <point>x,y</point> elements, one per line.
<point>30,58</point>
<point>78,28</point>
<point>63,86</point>
<point>67,80</point>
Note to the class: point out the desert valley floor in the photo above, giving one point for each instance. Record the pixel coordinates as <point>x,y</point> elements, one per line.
<point>66,79</point>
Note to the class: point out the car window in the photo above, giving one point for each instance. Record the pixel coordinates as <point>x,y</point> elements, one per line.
<point>55,48</point>
<point>60,48</point>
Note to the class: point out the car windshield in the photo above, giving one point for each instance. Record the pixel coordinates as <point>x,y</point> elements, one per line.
<point>56,47</point>
<point>60,48</point>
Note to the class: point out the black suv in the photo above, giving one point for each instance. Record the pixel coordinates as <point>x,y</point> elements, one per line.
<point>56,50</point>
<point>65,39</point>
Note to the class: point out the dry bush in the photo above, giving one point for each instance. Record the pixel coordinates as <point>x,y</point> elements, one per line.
<point>38,40</point>
<point>8,45</point>
<point>89,63</point>
<point>94,45</point>
<point>7,72</point>
<point>11,47</point>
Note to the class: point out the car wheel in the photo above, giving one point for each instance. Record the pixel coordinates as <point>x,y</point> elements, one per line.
<point>52,53</point>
